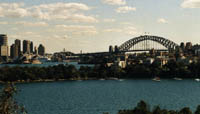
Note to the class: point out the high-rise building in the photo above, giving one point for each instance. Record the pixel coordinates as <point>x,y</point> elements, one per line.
<point>41,50</point>
<point>26,46</point>
<point>18,44</point>
<point>3,40</point>
<point>31,47</point>
<point>14,51</point>
<point>3,50</point>
<point>3,45</point>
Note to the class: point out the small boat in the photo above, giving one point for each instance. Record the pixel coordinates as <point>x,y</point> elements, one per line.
<point>156,79</point>
<point>101,79</point>
<point>178,78</point>
<point>197,79</point>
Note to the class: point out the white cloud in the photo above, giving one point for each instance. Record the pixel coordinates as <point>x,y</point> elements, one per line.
<point>78,30</point>
<point>73,12</point>
<point>109,20</point>
<point>66,11</point>
<point>32,24</point>
<point>114,2</point>
<point>125,9</point>
<point>162,20</point>
<point>12,10</point>
<point>126,30</point>
<point>191,4</point>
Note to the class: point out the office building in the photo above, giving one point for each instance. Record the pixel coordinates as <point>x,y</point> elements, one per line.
<point>26,47</point>
<point>14,51</point>
<point>3,45</point>
<point>18,46</point>
<point>41,50</point>
<point>31,47</point>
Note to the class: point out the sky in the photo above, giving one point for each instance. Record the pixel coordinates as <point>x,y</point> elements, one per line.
<point>93,25</point>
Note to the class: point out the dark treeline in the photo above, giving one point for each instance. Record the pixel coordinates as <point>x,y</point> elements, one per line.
<point>170,70</point>
<point>143,108</point>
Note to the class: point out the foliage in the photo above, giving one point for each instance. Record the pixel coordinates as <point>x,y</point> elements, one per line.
<point>8,105</point>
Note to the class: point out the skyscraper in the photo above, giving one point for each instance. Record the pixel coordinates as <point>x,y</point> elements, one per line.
<point>41,50</point>
<point>3,40</point>
<point>3,45</point>
<point>18,46</point>
<point>31,47</point>
<point>14,51</point>
<point>26,46</point>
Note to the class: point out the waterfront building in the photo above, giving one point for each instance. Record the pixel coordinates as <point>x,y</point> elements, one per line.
<point>3,45</point>
<point>3,40</point>
<point>18,46</point>
<point>41,50</point>
<point>26,46</point>
<point>14,51</point>
<point>31,47</point>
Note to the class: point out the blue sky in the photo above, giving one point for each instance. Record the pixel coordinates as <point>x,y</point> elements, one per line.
<point>93,25</point>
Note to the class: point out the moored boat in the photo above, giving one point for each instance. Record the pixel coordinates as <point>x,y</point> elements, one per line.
<point>197,79</point>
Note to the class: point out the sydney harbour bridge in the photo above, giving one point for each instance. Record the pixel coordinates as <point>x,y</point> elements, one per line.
<point>144,43</point>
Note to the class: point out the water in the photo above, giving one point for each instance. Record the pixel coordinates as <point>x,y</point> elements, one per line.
<point>46,64</point>
<point>96,96</point>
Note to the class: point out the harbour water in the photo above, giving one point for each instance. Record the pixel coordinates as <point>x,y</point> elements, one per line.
<point>98,96</point>
<point>46,64</point>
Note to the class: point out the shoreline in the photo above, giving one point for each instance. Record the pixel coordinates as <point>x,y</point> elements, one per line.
<point>86,79</point>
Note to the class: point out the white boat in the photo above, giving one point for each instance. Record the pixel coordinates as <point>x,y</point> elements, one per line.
<point>178,78</point>
<point>101,79</point>
<point>197,79</point>
<point>157,79</point>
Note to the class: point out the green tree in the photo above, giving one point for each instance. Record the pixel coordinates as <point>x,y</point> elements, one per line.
<point>8,105</point>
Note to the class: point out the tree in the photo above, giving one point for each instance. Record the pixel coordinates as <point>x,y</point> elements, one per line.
<point>8,105</point>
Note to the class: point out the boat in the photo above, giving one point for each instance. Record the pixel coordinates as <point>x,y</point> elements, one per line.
<point>156,79</point>
<point>101,79</point>
<point>178,78</point>
<point>197,79</point>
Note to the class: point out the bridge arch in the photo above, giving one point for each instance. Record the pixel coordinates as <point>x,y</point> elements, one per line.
<point>170,45</point>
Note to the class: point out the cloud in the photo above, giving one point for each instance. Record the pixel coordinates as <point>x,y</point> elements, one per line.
<point>32,24</point>
<point>73,12</point>
<point>162,20</point>
<point>65,11</point>
<point>13,10</point>
<point>114,2</point>
<point>125,9</point>
<point>78,30</point>
<point>109,20</point>
<point>191,4</point>
<point>126,30</point>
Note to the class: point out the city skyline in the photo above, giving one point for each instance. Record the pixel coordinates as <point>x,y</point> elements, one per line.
<point>94,25</point>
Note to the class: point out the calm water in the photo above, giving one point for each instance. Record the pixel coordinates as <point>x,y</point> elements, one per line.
<point>95,97</point>
<point>46,64</point>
